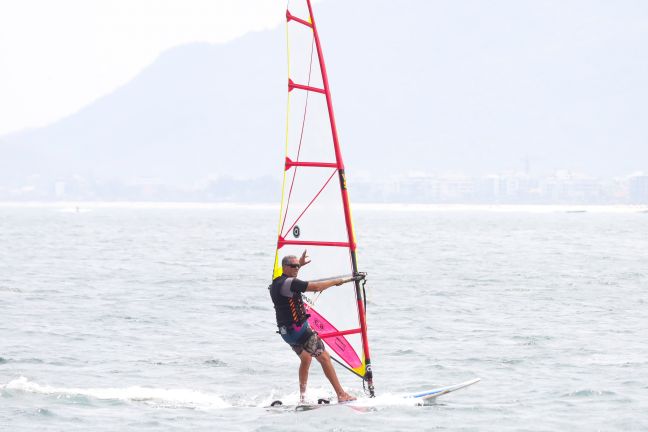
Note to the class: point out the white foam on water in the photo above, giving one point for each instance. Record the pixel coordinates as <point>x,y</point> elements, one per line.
<point>289,399</point>
<point>157,396</point>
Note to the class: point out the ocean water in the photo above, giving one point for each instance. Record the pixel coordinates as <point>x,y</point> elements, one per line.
<point>157,318</point>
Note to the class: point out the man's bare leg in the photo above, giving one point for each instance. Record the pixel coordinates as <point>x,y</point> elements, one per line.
<point>304,366</point>
<point>329,371</point>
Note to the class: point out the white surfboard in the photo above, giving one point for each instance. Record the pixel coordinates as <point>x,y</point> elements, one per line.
<point>430,395</point>
<point>422,398</point>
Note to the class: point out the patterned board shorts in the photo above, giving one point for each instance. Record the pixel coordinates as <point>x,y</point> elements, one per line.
<point>304,339</point>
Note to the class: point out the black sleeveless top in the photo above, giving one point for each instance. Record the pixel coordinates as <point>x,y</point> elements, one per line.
<point>288,303</point>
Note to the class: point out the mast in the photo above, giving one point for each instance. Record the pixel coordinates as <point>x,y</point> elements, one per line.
<point>345,201</point>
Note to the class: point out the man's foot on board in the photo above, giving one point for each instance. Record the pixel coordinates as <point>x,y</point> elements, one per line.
<point>345,397</point>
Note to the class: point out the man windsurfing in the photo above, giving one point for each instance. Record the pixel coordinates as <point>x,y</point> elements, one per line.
<point>292,320</point>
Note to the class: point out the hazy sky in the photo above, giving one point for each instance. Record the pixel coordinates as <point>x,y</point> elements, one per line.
<point>466,86</point>
<point>57,56</point>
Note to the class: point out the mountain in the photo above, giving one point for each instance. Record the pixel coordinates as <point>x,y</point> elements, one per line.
<point>417,85</point>
<point>194,111</point>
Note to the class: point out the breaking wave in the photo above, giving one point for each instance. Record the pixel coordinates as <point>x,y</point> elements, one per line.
<point>155,396</point>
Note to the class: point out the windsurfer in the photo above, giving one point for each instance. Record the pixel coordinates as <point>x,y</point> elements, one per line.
<point>292,320</point>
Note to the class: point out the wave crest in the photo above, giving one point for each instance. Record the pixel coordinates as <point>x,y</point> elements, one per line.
<point>156,396</point>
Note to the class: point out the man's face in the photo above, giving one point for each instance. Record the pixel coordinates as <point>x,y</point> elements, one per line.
<point>292,268</point>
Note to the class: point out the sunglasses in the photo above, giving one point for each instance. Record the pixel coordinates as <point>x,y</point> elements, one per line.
<point>293,265</point>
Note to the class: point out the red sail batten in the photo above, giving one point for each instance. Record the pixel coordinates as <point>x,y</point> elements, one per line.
<point>290,17</point>
<point>292,85</point>
<point>281,242</point>
<point>290,163</point>
<point>339,333</point>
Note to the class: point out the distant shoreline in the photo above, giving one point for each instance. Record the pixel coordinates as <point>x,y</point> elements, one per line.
<point>170,205</point>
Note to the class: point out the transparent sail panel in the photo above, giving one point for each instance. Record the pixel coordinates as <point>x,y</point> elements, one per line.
<point>309,128</point>
<point>301,52</point>
<point>314,206</point>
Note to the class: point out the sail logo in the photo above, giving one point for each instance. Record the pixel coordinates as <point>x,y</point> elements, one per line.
<point>318,324</point>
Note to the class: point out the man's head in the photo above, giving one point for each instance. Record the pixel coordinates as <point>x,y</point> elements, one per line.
<point>290,265</point>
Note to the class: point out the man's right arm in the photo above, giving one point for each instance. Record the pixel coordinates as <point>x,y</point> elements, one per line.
<point>322,285</point>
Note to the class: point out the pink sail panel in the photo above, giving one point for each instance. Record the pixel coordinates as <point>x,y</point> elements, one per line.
<point>338,343</point>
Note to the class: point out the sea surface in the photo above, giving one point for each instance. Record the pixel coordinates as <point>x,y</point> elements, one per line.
<point>157,317</point>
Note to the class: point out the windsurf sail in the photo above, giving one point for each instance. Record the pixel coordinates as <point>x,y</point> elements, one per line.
<point>315,212</point>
